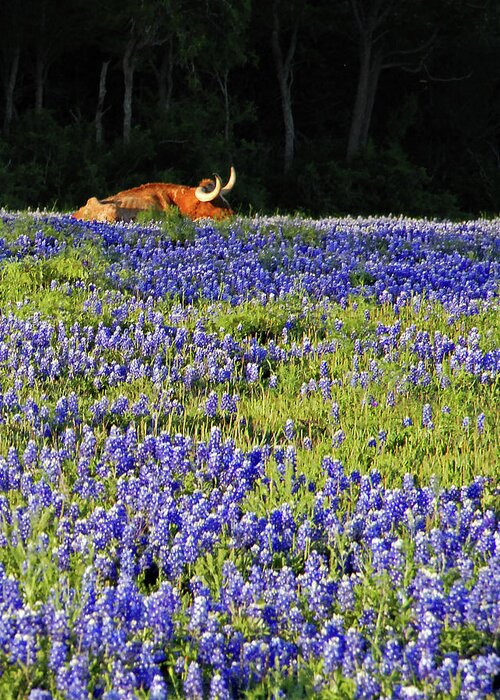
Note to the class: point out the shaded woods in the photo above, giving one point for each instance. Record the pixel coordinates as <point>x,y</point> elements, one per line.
<point>352,106</point>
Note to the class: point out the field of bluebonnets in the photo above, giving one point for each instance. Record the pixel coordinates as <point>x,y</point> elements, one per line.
<point>257,459</point>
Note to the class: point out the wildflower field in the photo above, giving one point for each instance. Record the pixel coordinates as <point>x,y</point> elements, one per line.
<point>257,459</point>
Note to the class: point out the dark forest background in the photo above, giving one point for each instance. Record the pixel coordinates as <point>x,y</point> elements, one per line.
<point>324,106</point>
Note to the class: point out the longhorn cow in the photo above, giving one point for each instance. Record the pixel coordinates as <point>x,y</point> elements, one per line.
<point>205,201</point>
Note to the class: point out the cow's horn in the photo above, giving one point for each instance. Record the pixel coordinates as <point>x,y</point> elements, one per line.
<point>230,183</point>
<point>205,196</point>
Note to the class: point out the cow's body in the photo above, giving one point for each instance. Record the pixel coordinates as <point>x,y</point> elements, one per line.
<point>205,201</point>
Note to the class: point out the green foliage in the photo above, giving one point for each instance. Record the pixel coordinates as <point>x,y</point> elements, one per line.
<point>47,284</point>
<point>170,223</point>
<point>206,94</point>
<point>382,180</point>
<point>264,322</point>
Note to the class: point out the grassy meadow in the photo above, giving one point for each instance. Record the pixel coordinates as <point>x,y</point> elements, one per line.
<point>256,459</point>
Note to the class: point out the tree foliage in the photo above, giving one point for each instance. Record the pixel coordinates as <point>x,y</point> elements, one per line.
<point>359,106</point>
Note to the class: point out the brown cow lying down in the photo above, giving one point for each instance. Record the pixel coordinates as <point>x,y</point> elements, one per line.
<point>205,201</point>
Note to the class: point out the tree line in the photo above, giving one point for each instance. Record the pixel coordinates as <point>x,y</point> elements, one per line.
<point>323,106</point>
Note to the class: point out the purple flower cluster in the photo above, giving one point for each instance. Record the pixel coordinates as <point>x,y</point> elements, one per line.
<point>137,559</point>
<point>393,259</point>
<point>295,581</point>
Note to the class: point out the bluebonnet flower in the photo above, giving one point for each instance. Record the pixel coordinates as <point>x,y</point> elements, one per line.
<point>474,491</point>
<point>325,385</point>
<point>61,411</point>
<point>311,386</point>
<point>290,458</point>
<point>427,417</point>
<point>483,607</point>
<point>345,594</point>
<point>119,405</point>
<point>338,438</point>
<point>39,694</point>
<point>368,619</point>
<point>477,675</point>
<point>211,404</point>
<point>158,688</point>
<point>364,379</point>
<point>428,642</point>
<point>289,429</point>
<point>252,372</point>
<point>444,381</point>
<point>31,411</point>
<point>58,655</point>
<point>99,409</point>
<point>141,406</point>
<point>229,403</point>
<point>10,400</point>
<point>68,440</point>
<point>73,680</point>
<point>481,419</point>
<point>193,685</point>
<point>30,454</point>
<point>190,376</point>
<point>199,614</point>
<point>305,534</point>
<point>367,686</point>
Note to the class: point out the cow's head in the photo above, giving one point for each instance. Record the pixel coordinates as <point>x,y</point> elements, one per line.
<point>210,198</point>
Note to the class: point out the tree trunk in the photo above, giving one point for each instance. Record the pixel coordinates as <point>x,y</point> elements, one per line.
<point>284,74</point>
<point>10,89</point>
<point>39,81</point>
<point>371,20</point>
<point>370,68</point>
<point>164,77</point>
<point>40,65</point>
<point>100,102</point>
<point>128,80</point>
<point>223,80</point>
<point>359,127</point>
<point>374,76</point>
